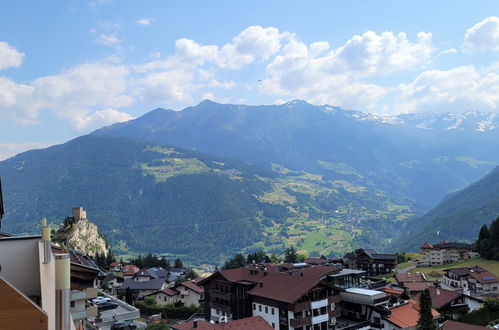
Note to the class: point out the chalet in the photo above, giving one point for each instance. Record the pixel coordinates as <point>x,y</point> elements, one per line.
<point>451,302</point>
<point>165,296</point>
<point>404,316</point>
<point>190,294</point>
<point>413,283</point>
<point>445,253</point>
<point>453,325</point>
<point>129,271</point>
<point>253,323</point>
<point>142,288</point>
<point>370,261</point>
<point>286,300</point>
<point>115,266</point>
<point>476,280</point>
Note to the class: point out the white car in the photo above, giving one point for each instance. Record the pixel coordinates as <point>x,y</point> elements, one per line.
<point>100,299</point>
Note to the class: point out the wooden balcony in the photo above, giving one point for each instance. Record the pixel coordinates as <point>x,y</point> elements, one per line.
<point>334,299</point>
<point>335,313</point>
<point>220,294</point>
<point>220,307</point>
<point>298,307</point>
<point>297,323</point>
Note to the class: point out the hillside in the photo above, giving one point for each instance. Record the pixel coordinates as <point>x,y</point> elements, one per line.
<point>458,217</point>
<point>421,157</point>
<point>163,199</point>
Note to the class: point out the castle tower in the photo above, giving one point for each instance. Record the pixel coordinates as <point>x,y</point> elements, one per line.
<point>79,213</point>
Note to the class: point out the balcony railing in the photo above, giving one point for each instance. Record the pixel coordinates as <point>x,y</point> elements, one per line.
<point>91,293</point>
<point>220,294</point>
<point>381,300</point>
<point>297,323</point>
<point>334,299</point>
<point>301,306</point>
<point>220,307</point>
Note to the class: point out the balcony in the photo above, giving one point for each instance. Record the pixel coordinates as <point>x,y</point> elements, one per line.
<point>381,300</point>
<point>319,303</point>
<point>298,307</point>
<point>78,295</point>
<point>92,311</point>
<point>220,307</point>
<point>220,294</point>
<point>297,323</point>
<point>335,313</point>
<point>320,318</point>
<point>334,299</point>
<point>91,293</point>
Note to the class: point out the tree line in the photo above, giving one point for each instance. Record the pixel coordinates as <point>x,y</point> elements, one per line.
<point>290,256</point>
<point>487,243</point>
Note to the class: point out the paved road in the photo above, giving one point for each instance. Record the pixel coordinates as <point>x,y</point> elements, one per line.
<point>405,270</point>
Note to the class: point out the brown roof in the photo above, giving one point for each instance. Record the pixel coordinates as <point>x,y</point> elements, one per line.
<point>418,286</point>
<point>426,245</point>
<point>440,297</point>
<point>250,273</point>
<point>318,272</point>
<point>170,292</point>
<point>253,323</point>
<point>130,269</point>
<point>484,277</point>
<point>410,277</point>
<point>192,285</point>
<point>463,271</point>
<point>392,291</point>
<point>407,315</point>
<point>283,287</point>
<point>453,325</point>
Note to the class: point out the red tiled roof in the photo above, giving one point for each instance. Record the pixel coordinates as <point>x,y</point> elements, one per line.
<point>130,269</point>
<point>410,277</point>
<point>253,323</point>
<point>407,315</point>
<point>283,287</point>
<point>440,297</point>
<point>170,292</point>
<point>251,274</point>
<point>418,286</point>
<point>453,325</point>
<point>426,245</point>
<point>392,291</point>
<point>192,285</point>
<point>114,264</point>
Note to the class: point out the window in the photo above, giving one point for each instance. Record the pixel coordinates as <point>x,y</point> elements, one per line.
<point>164,298</point>
<point>272,310</point>
<point>273,325</point>
<point>260,308</point>
<point>254,307</point>
<point>72,304</point>
<point>266,309</point>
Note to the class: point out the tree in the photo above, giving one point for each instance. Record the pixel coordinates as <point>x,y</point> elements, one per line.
<point>178,263</point>
<point>157,326</point>
<point>150,301</point>
<point>425,321</point>
<point>237,261</point>
<point>128,296</point>
<point>483,242</point>
<point>191,275</point>
<point>290,255</point>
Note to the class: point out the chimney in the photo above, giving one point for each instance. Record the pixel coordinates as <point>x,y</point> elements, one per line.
<point>194,324</point>
<point>62,291</point>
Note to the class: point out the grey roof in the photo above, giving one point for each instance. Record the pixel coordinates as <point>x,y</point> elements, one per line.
<point>153,284</point>
<point>453,245</point>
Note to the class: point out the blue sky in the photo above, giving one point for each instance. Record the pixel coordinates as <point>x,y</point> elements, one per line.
<point>69,67</point>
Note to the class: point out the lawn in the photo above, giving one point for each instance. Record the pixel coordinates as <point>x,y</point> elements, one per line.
<point>437,272</point>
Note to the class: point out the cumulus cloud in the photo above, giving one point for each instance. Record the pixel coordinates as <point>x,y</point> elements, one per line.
<point>9,56</point>
<point>482,36</point>
<point>109,40</point>
<point>99,118</point>
<point>456,90</point>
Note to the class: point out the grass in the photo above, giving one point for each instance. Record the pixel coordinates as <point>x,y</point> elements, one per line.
<point>437,272</point>
<point>170,167</point>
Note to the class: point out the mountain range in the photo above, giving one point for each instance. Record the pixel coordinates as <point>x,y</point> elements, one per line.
<point>213,179</point>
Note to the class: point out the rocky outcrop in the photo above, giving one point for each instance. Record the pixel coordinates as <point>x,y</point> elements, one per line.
<point>77,232</point>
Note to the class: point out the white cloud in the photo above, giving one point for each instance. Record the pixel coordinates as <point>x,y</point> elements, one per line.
<point>9,149</point>
<point>99,119</point>
<point>143,21</point>
<point>482,36</point>
<point>456,90</point>
<point>9,56</point>
<point>109,40</point>
<point>167,86</point>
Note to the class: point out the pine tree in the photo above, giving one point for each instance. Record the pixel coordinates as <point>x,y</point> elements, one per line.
<point>128,296</point>
<point>483,242</point>
<point>425,321</point>
<point>178,263</point>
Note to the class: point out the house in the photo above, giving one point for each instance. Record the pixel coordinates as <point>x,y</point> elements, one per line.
<point>445,253</point>
<point>115,266</point>
<point>129,271</point>
<point>403,278</point>
<point>404,316</point>
<point>253,323</point>
<point>450,302</point>
<point>289,299</point>
<point>190,293</point>
<point>165,296</point>
<point>370,261</point>
<point>364,305</point>
<point>453,325</point>
<point>476,280</point>
<point>416,287</point>
<point>142,288</point>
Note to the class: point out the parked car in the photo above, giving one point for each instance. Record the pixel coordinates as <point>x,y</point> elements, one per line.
<point>100,299</point>
<point>123,325</point>
<point>105,305</point>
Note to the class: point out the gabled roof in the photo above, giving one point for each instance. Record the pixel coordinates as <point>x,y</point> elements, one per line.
<point>463,271</point>
<point>427,245</point>
<point>284,287</point>
<point>153,284</point>
<point>453,325</point>
<point>406,315</point>
<point>192,286</point>
<point>168,291</point>
<point>410,277</point>
<point>484,277</point>
<point>253,323</point>
<point>418,286</point>
<point>440,297</point>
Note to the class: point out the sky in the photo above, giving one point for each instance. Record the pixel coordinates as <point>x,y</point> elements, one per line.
<point>70,67</point>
